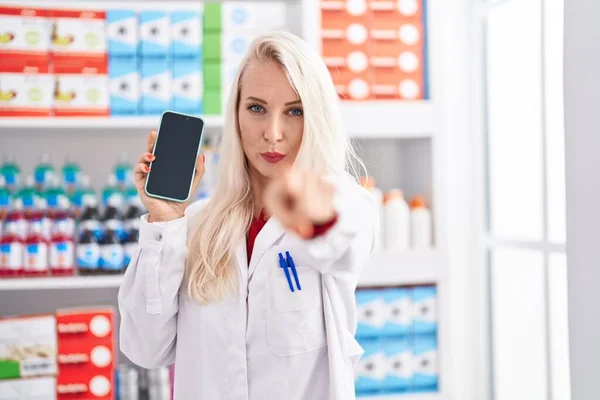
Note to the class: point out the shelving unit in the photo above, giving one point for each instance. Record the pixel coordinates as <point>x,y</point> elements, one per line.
<point>384,269</point>
<point>404,396</point>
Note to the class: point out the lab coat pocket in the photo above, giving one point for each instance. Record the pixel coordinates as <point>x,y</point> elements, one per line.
<point>295,321</point>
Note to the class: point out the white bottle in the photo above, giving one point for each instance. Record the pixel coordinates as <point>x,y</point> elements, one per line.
<point>396,214</point>
<point>421,225</point>
<point>369,184</point>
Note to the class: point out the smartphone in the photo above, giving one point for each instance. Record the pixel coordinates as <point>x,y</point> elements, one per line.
<point>177,146</point>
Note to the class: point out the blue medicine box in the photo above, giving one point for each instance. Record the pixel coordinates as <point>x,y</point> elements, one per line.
<point>186,34</point>
<point>124,86</point>
<point>155,34</point>
<point>122,31</point>
<point>371,312</point>
<point>425,376</point>
<point>424,310</point>
<point>398,353</point>
<point>156,86</point>
<point>371,368</point>
<point>187,86</point>
<point>399,307</point>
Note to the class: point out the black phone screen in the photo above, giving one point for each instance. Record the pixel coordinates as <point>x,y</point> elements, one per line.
<point>176,149</point>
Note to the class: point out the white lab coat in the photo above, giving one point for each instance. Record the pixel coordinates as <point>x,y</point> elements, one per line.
<point>263,342</point>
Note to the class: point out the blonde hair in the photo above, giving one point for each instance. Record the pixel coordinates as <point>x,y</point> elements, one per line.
<point>211,271</point>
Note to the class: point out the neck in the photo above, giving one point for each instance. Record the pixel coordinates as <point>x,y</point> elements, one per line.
<point>259,184</point>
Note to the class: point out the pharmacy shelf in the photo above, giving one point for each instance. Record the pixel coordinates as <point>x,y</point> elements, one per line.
<point>58,283</point>
<point>86,123</point>
<point>384,269</point>
<point>405,396</point>
<point>390,268</point>
<point>371,119</point>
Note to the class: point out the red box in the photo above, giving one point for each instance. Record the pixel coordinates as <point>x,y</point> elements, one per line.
<point>90,356</point>
<point>85,386</point>
<point>85,324</point>
<point>339,14</point>
<point>393,83</point>
<point>388,12</point>
<point>352,85</point>
<point>391,42</point>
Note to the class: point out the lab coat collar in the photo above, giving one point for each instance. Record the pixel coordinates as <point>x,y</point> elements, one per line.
<point>242,259</point>
<point>268,235</point>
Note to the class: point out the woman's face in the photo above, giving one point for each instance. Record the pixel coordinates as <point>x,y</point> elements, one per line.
<point>271,119</point>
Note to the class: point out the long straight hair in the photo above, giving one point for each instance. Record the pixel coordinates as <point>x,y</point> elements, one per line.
<point>325,149</point>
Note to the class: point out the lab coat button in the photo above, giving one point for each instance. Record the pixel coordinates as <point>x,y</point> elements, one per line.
<point>158,236</point>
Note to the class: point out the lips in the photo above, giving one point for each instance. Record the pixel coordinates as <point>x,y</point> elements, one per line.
<point>272,157</point>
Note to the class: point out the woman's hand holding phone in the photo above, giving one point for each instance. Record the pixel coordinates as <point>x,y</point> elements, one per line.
<point>161,210</point>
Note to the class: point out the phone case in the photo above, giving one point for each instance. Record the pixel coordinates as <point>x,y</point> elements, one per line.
<point>156,196</point>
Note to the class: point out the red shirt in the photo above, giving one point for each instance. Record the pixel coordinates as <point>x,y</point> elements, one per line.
<point>260,222</point>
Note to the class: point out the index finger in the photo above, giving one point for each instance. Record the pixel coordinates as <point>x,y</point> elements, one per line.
<point>151,140</point>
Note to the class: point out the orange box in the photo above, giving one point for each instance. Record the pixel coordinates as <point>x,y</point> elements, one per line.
<point>85,386</point>
<point>389,11</point>
<point>79,34</point>
<point>394,83</point>
<point>352,85</point>
<point>343,42</point>
<point>391,42</point>
<point>339,14</point>
<point>91,356</point>
<point>85,324</point>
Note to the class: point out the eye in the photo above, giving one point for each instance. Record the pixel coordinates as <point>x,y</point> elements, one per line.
<point>296,112</point>
<point>255,108</point>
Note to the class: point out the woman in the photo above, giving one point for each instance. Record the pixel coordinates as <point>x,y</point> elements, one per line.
<point>213,286</point>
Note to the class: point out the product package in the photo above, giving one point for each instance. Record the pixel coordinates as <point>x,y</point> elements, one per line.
<point>156,86</point>
<point>186,33</point>
<point>372,313</point>
<point>80,88</point>
<point>398,353</point>
<point>155,34</point>
<point>85,324</point>
<point>187,86</point>
<point>28,347</point>
<point>124,86</point>
<point>371,370</point>
<point>28,389</point>
<point>24,33</point>
<point>26,88</point>
<point>424,310</point>
<point>425,370</point>
<point>85,386</point>
<point>122,31</point>
<point>261,16</point>
<point>399,312</point>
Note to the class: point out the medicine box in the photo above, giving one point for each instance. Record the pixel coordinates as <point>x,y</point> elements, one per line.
<point>26,88</point>
<point>187,86</point>
<point>424,310</point>
<point>24,32</point>
<point>86,386</point>
<point>399,312</point>
<point>81,93</point>
<point>86,356</point>
<point>425,369</point>
<point>212,19</point>
<point>186,33</point>
<point>213,101</point>
<point>28,389</point>
<point>79,34</point>
<point>398,354</point>
<point>372,313</point>
<point>28,347</point>
<point>155,34</point>
<point>124,86</point>
<point>85,324</point>
<point>370,372</point>
<point>156,86</point>
<point>387,13</point>
<point>123,33</point>
<point>261,16</point>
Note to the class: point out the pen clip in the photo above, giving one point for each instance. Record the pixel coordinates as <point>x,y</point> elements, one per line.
<point>283,264</point>
<point>290,262</point>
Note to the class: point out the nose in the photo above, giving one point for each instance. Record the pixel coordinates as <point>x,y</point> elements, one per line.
<point>274,129</point>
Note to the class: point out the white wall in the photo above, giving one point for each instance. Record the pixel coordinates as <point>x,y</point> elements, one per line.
<point>582,142</point>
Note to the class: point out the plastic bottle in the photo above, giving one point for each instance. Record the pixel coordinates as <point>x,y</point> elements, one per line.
<point>113,219</point>
<point>90,218</point>
<point>55,193</point>
<point>29,195</point>
<point>43,172</point>
<point>133,214</point>
<point>123,172</point>
<point>36,251</point>
<point>421,224</point>
<point>88,252</point>
<point>71,174</point>
<point>369,184</point>
<point>130,245</point>
<point>112,253</point>
<point>83,192</point>
<point>62,250</point>
<point>17,216</point>
<point>112,193</point>
<point>396,221</point>
<point>63,215</point>
<point>5,200</point>
<point>12,173</point>
<point>12,251</point>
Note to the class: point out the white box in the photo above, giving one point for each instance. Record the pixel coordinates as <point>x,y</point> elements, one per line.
<point>81,94</point>
<point>82,32</point>
<point>26,94</point>
<point>28,389</point>
<point>24,30</point>
<point>260,17</point>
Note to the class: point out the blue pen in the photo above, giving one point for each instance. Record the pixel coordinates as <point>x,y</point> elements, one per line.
<point>290,262</point>
<point>284,265</point>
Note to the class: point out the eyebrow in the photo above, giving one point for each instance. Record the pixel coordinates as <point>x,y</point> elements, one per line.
<point>291,103</point>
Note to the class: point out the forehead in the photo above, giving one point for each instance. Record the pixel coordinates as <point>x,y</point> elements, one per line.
<point>267,80</point>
